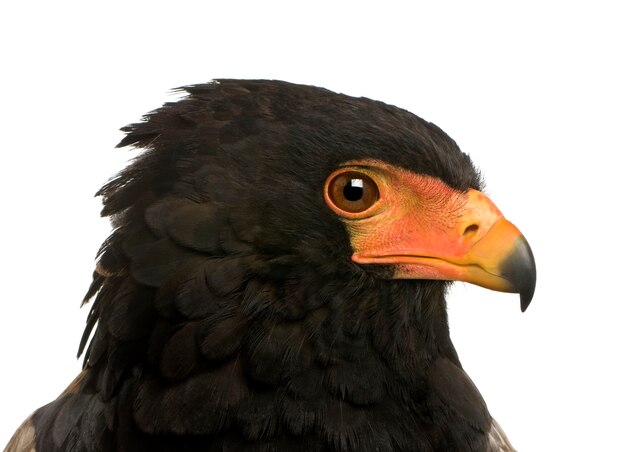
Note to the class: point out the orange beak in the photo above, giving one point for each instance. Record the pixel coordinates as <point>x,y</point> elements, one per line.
<point>428,230</point>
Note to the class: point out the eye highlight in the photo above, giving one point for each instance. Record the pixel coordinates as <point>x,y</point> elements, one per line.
<point>352,192</point>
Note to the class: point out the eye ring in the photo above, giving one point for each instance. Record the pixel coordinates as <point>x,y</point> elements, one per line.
<point>352,192</point>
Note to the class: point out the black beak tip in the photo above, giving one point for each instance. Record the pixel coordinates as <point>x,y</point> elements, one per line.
<point>524,301</point>
<point>521,271</point>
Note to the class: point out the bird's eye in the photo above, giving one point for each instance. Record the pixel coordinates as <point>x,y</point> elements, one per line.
<point>352,191</point>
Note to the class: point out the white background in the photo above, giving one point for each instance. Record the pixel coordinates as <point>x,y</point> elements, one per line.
<point>535,93</point>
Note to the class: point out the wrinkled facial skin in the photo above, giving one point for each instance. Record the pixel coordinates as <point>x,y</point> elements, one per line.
<point>425,229</point>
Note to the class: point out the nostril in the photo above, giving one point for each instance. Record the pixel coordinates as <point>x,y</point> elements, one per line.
<point>470,230</point>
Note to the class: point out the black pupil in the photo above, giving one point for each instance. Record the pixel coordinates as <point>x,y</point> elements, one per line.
<point>353,190</point>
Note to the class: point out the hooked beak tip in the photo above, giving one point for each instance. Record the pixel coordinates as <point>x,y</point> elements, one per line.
<point>520,270</point>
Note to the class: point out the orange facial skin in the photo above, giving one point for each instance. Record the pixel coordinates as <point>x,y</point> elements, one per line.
<point>428,230</point>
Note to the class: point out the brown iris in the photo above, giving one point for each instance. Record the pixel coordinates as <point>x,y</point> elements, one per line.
<point>352,191</point>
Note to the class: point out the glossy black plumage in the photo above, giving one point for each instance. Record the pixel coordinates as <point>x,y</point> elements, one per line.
<point>228,314</point>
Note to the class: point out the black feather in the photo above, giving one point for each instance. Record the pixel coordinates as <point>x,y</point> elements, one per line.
<point>228,313</point>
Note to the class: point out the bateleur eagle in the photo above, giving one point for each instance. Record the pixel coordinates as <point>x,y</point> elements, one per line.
<point>276,281</point>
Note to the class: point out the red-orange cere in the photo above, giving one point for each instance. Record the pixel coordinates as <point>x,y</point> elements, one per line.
<point>426,229</point>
